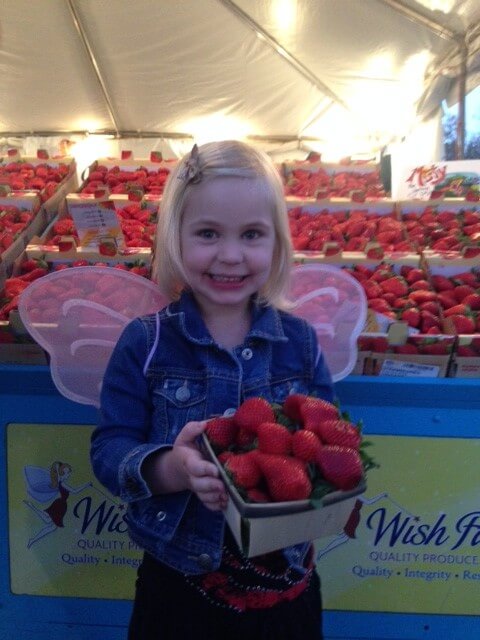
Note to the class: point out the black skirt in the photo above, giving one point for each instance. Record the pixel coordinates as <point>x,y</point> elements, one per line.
<point>168,607</point>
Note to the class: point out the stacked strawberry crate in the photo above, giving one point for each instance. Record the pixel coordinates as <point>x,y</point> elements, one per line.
<point>124,175</point>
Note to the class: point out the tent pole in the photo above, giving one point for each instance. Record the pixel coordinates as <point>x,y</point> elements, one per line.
<point>462,85</point>
<point>93,62</point>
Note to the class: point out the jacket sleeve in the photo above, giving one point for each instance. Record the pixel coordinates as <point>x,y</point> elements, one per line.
<point>119,443</point>
<point>322,379</point>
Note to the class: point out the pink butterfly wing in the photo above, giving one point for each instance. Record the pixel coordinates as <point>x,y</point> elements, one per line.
<point>335,304</point>
<point>77,315</point>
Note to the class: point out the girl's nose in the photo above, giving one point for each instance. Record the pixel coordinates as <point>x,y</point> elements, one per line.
<point>230,251</point>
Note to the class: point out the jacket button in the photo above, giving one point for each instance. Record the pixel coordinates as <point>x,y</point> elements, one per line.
<point>247,354</point>
<point>204,561</point>
<point>161,515</point>
<point>182,394</point>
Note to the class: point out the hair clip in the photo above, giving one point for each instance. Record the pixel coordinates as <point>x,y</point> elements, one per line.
<point>191,172</point>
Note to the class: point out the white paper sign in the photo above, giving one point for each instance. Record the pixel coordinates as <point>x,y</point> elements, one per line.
<point>408,369</point>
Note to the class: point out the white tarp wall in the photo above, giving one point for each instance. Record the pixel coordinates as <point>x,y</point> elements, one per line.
<point>344,77</point>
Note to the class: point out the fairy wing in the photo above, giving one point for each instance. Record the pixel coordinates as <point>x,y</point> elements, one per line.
<point>38,483</point>
<point>77,315</point>
<point>335,304</point>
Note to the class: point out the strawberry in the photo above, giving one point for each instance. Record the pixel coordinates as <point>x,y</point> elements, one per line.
<point>341,466</point>
<point>441,283</point>
<point>339,432</point>
<point>447,299</point>
<point>244,470</point>
<point>252,412</point>
<point>292,404</point>
<point>411,316</point>
<point>245,439</point>
<point>461,324</point>
<point>396,285</point>
<point>257,495</point>
<point>460,309</point>
<point>306,445</point>
<point>413,275</point>
<point>285,476</point>
<point>315,410</point>
<point>472,301</point>
<point>274,438</point>
<point>221,432</point>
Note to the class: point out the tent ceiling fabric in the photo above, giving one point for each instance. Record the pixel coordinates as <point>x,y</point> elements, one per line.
<point>366,70</point>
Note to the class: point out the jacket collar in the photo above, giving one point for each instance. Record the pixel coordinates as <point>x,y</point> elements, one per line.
<point>266,321</point>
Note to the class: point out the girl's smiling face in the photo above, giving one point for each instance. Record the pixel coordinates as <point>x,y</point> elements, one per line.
<point>227,240</point>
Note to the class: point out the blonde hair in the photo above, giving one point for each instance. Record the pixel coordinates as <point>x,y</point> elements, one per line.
<point>228,158</point>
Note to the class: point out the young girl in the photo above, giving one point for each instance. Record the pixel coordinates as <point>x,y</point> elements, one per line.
<point>223,256</point>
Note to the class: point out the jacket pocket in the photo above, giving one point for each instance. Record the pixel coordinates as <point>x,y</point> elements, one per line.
<point>178,400</point>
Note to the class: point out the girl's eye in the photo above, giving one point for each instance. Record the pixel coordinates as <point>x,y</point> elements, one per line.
<point>208,234</point>
<point>252,234</point>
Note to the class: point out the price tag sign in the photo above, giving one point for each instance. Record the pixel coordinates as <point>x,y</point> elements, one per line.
<point>408,369</point>
<point>98,225</point>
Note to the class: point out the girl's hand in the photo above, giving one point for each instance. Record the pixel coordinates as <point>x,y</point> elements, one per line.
<point>184,467</point>
<point>202,476</point>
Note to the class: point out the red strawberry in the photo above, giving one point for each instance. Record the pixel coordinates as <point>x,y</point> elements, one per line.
<point>441,283</point>
<point>244,470</point>
<point>252,412</point>
<point>257,495</point>
<point>341,466</point>
<point>473,301</point>
<point>224,456</point>
<point>315,410</point>
<point>462,291</point>
<point>285,476</point>
<point>414,275</point>
<point>461,324</point>
<point>274,438</point>
<point>245,438</point>
<point>460,309</point>
<point>292,404</point>
<point>339,432</point>
<point>221,432</point>
<point>306,445</point>
<point>411,316</point>
<point>396,285</point>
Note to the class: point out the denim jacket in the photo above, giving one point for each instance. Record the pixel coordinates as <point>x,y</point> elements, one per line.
<point>167,370</point>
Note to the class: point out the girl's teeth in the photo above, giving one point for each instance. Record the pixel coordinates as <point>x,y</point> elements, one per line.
<point>227,278</point>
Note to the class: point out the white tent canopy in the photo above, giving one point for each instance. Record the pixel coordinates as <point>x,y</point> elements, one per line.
<point>341,76</point>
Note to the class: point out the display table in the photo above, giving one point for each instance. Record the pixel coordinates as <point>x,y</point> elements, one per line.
<point>410,567</point>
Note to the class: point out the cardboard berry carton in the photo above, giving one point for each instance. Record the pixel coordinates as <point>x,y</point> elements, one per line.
<point>326,180</point>
<point>343,226</point>
<point>466,357</point>
<point>289,480</point>
<point>444,226</point>
<point>260,529</point>
<point>98,227</point>
<point>51,178</point>
<point>400,354</point>
<point>456,283</point>
<point>21,217</point>
<point>126,174</point>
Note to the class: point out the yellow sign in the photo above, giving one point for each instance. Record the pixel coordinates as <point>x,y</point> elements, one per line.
<point>67,534</point>
<point>412,543</point>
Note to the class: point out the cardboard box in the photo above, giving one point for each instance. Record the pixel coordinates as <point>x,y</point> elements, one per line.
<point>29,202</point>
<point>67,184</point>
<point>128,165</point>
<point>388,354</point>
<point>466,366</point>
<point>262,528</point>
<point>39,246</point>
